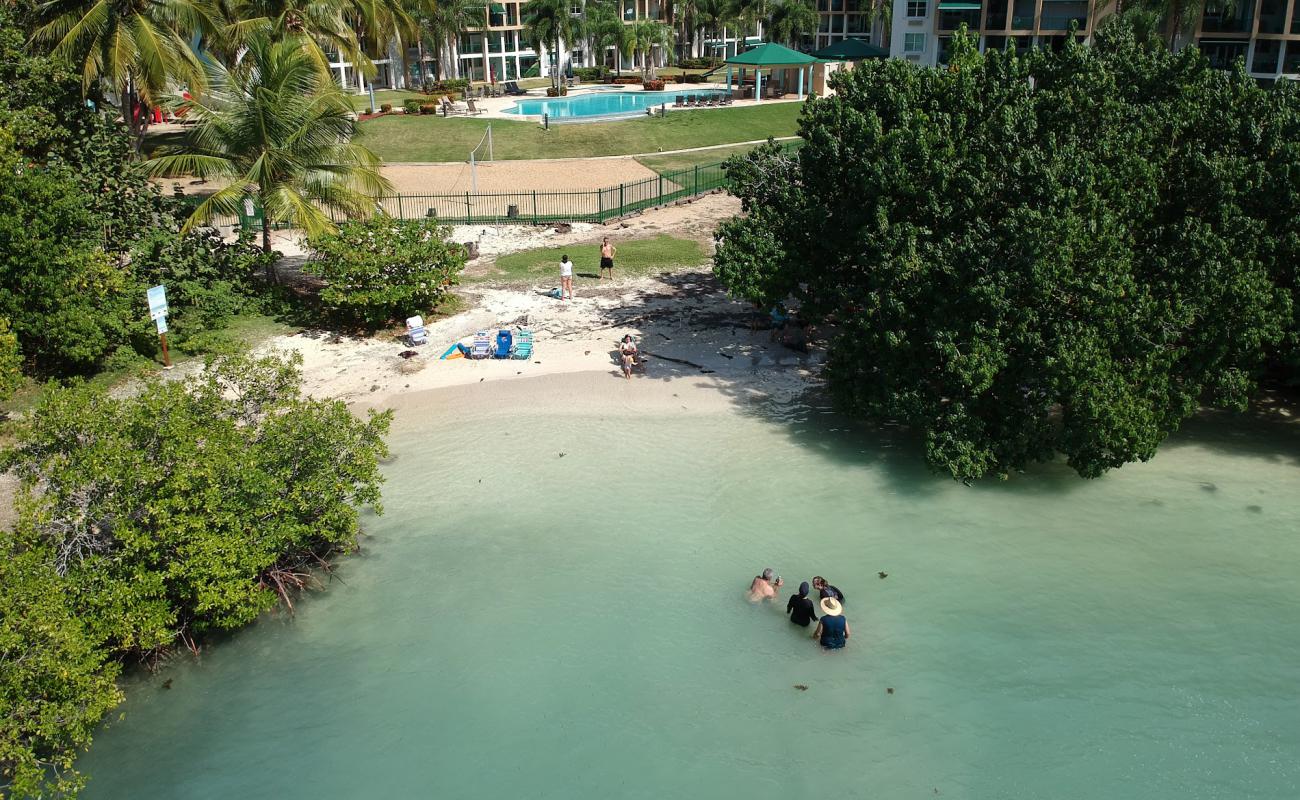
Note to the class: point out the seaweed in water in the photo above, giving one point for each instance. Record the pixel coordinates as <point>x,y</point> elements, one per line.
<point>803,687</point>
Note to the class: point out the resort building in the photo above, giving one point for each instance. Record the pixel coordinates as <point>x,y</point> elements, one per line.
<point>1266,33</point>
<point>849,19</point>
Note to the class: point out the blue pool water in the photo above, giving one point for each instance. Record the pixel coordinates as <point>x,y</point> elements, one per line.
<point>598,104</point>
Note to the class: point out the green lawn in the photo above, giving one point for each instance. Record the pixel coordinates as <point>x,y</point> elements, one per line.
<point>433,138</point>
<point>360,102</point>
<point>679,161</point>
<point>634,257</point>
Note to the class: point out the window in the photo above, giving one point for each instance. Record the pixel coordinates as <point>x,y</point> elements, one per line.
<point>917,8</point>
<point>913,42</point>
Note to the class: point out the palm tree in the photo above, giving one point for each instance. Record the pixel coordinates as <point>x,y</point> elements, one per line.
<point>546,24</point>
<point>646,34</point>
<point>444,22</point>
<point>274,126</point>
<point>1178,15</point>
<point>713,16</point>
<point>136,50</point>
<point>747,14</point>
<point>789,21</point>
<point>317,26</point>
<point>605,29</point>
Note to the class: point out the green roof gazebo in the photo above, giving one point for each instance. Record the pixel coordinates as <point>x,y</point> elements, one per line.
<point>851,50</point>
<point>770,57</point>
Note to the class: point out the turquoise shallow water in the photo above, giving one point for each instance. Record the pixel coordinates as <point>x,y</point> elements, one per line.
<point>525,625</point>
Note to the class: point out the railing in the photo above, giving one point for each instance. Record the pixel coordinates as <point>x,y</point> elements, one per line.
<point>536,208</point>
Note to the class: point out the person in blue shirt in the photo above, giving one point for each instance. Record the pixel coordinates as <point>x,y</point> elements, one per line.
<point>832,631</point>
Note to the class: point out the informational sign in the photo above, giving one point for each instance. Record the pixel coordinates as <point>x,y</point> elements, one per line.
<point>161,322</point>
<point>157,297</point>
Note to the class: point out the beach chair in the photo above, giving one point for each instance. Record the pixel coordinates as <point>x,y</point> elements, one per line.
<point>482,347</point>
<point>415,332</point>
<point>690,100</point>
<point>523,349</point>
<point>473,109</point>
<point>728,99</point>
<point>679,101</point>
<point>512,88</point>
<point>711,100</point>
<point>504,340</point>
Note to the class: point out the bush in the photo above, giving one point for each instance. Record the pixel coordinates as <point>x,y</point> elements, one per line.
<point>589,74</point>
<point>450,86</point>
<point>653,85</point>
<point>699,63</point>
<point>382,269</point>
<point>411,106</point>
<point>428,108</point>
<point>692,77</point>
<point>369,111</point>
<point>551,91</point>
<point>628,80</point>
<point>146,522</point>
<point>386,108</point>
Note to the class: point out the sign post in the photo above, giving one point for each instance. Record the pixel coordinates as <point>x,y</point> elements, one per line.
<point>157,298</point>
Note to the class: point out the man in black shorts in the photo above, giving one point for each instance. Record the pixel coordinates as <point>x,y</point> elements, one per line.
<point>607,251</point>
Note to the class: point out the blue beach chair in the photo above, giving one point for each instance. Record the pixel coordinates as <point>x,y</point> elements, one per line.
<point>503,344</point>
<point>523,345</point>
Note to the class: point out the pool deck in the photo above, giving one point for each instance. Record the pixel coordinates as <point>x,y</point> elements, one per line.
<point>495,107</point>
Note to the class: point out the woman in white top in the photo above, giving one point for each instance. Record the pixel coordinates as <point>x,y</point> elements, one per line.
<point>566,277</point>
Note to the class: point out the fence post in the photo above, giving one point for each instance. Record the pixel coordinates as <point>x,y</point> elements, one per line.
<point>661,191</point>
<point>400,213</point>
<point>620,199</point>
<point>468,213</point>
<point>600,205</point>
<point>697,180</point>
<point>534,206</point>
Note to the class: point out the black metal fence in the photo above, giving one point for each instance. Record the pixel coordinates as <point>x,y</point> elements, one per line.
<point>535,208</point>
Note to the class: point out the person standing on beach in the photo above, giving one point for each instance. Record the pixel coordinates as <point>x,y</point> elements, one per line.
<point>832,631</point>
<point>764,587</point>
<point>607,252</point>
<point>566,277</point>
<point>800,608</point>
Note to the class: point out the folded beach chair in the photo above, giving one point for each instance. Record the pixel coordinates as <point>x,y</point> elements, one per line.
<point>523,349</point>
<point>482,345</point>
<point>503,344</point>
<point>679,101</point>
<point>415,332</point>
<point>473,109</point>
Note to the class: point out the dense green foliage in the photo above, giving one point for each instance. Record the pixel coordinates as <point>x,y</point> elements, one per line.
<point>150,521</point>
<point>11,361</point>
<point>1062,253</point>
<point>382,269</point>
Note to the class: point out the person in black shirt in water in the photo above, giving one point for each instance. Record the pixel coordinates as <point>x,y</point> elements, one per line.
<point>800,608</point>
<point>824,589</point>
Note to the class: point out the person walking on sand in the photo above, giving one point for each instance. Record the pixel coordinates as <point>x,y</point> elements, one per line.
<point>800,608</point>
<point>566,277</point>
<point>607,252</point>
<point>832,631</point>
<point>764,586</point>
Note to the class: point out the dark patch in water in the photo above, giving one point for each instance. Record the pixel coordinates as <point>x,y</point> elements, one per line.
<point>1209,487</point>
<point>1154,502</point>
<point>803,687</point>
<point>1255,509</point>
<point>890,690</point>
<point>167,684</point>
<point>883,575</point>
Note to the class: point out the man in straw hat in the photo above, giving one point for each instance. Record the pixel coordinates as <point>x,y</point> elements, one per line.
<point>832,629</point>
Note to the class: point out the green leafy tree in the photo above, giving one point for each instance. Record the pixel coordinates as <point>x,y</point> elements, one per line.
<point>135,50</point>
<point>274,126</point>
<point>1065,253</point>
<point>546,24</point>
<point>55,683</point>
<point>192,506</point>
<point>66,299</point>
<point>382,269</point>
<point>11,360</point>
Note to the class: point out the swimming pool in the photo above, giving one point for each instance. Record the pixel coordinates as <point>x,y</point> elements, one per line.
<point>598,104</point>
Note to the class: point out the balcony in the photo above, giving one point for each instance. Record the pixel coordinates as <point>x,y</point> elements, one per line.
<point>954,13</point>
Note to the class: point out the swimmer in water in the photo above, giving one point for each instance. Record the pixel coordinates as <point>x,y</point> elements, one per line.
<point>764,586</point>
